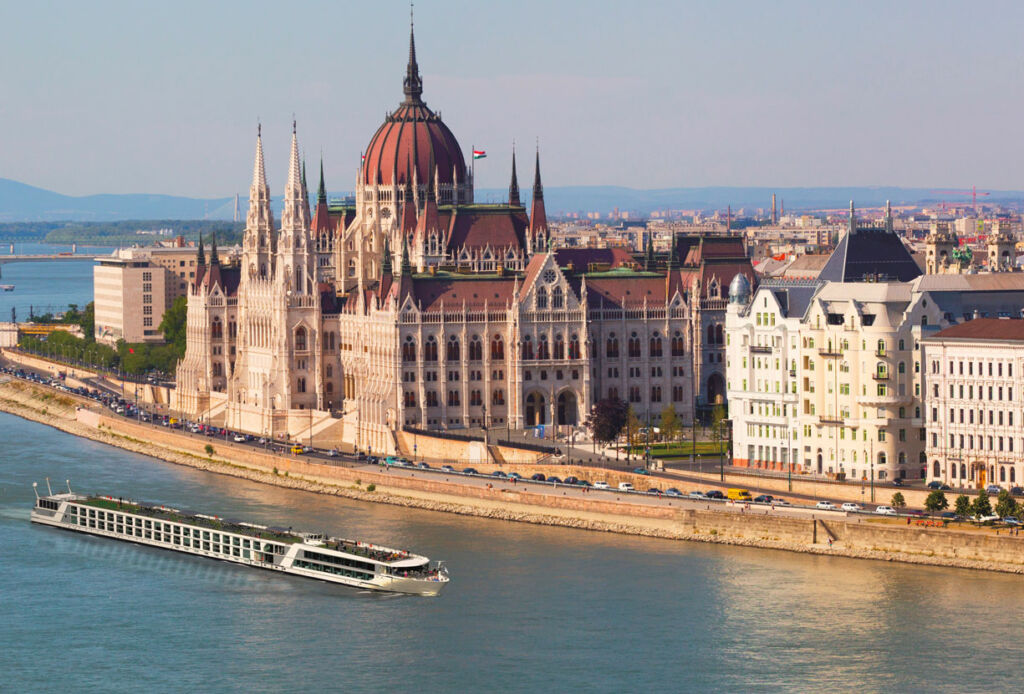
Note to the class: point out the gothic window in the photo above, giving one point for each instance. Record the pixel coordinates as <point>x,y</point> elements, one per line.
<point>542,298</point>
<point>542,348</point>
<point>557,299</point>
<point>300,340</point>
<point>559,347</point>
<point>430,349</point>
<point>613,393</point>
<point>216,329</point>
<point>634,346</point>
<point>677,393</point>
<point>329,387</point>
<point>612,347</point>
<point>498,397</point>
<point>497,347</point>
<point>719,339</point>
<point>453,398</point>
<point>351,267</point>
<point>711,334</point>
<point>409,350</point>
<point>431,398</point>
<point>678,345</point>
<point>527,347</point>
<point>634,393</point>
<point>300,385</point>
<point>574,347</point>
<point>410,398</point>
<point>656,345</point>
<point>655,393</point>
<point>476,349</point>
<point>475,398</point>
<point>452,351</point>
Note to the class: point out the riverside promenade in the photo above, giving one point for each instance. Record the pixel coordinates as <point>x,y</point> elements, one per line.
<point>793,529</point>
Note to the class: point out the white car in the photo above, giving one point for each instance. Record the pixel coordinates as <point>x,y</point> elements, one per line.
<point>885,511</point>
<point>850,506</point>
<point>239,438</point>
<point>780,502</point>
<point>825,506</point>
<point>601,485</point>
<point>625,486</point>
<point>700,496</point>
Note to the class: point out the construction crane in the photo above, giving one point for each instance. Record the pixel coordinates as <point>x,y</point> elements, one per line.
<point>973,192</point>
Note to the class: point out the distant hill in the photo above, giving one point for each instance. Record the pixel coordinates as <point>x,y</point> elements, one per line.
<point>20,202</point>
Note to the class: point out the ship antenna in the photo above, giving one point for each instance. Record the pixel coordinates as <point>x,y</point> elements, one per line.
<point>48,486</point>
<point>35,488</point>
<point>68,482</point>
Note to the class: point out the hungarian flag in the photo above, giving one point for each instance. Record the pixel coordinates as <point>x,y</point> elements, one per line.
<point>479,154</point>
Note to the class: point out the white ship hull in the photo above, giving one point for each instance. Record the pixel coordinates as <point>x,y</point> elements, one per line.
<point>296,556</point>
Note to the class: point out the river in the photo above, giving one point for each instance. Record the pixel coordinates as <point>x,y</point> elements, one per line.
<point>45,287</point>
<point>529,608</point>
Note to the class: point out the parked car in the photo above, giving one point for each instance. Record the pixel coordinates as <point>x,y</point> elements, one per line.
<point>885,511</point>
<point>993,489</point>
<point>583,483</point>
<point>625,486</point>
<point>715,494</point>
<point>700,496</point>
<point>1017,491</point>
<point>514,476</point>
<point>499,473</point>
<point>653,490</point>
<point>934,484</point>
<point>600,485</point>
<point>571,479</point>
<point>238,438</point>
<point>672,491</point>
<point>825,506</point>
<point>852,507</point>
<point>538,477</point>
<point>470,471</point>
<point>298,450</point>
<point>554,480</point>
<point>780,502</point>
<point>897,482</point>
<point>447,468</point>
<point>333,453</point>
<point>423,466</point>
<point>763,499</point>
<point>640,471</point>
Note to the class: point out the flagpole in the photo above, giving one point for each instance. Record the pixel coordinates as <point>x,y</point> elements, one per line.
<point>472,164</point>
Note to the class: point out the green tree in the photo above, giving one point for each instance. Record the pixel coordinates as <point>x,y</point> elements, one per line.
<point>898,501</point>
<point>1006,505</point>
<point>936,501</point>
<point>173,325</point>
<point>633,426</point>
<point>607,418</point>
<point>962,505</point>
<point>209,450</point>
<point>87,321</point>
<point>670,424</point>
<point>981,506</point>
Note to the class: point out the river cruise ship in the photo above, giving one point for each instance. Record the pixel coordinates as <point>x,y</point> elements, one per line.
<point>311,555</point>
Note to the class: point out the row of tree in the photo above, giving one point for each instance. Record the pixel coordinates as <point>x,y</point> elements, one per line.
<point>1006,506</point>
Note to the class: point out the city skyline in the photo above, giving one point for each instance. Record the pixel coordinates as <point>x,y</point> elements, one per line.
<point>658,96</point>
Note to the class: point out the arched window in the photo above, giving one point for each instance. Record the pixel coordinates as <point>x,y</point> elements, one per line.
<point>430,349</point>
<point>574,347</point>
<point>542,297</point>
<point>216,329</point>
<point>634,346</point>
<point>902,458</point>
<point>557,299</point>
<point>656,345</point>
<point>498,397</point>
<point>300,385</point>
<point>452,352</point>
<point>881,348</point>
<point>881,370</point>
<point>612,347</point>
<point>901,368</point>
<point>476,349</point>
<point>678,345</point>
<point>351,267</point>
<point>409,349</point>
<point>527,347</point>
<point>936,470</point>
<point>711,334</point>
<point>300,340</point>
<point>963,471</point>
<point>719,339</point>
<point>559,347</point>
<point>497,347</point>
<point>542,348</point>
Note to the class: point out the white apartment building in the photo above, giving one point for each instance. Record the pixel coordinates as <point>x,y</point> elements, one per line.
<point>974,383</point>
<point>129,298</point>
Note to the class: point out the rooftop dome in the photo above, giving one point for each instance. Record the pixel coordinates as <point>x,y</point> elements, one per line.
<point>411,139</point>
<point>739,289</point>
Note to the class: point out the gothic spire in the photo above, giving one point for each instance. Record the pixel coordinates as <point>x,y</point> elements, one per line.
<point>513,188</point>
<point>538,189</point>
<point>214,260</point>
<point>201,256</point>
<point>413,83</point>
<point>321,191</point>
<point>888,217</point>
<point>296,202</point>
<point>649,253</point>
<point>259,173</point>
<point>385,263</point>
<point>406,267</point>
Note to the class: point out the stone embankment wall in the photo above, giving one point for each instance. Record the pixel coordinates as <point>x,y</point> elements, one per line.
<point>808,532</point>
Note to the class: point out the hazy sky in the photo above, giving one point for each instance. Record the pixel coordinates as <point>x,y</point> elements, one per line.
<point>119,97</point>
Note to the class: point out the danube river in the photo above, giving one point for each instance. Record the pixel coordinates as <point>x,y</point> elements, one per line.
<point>45,287</point>
<point>529,608</point>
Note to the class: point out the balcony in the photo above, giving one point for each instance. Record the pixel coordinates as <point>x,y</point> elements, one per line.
<point>880,376</point>
<point>829,353</point>
<point>759,349</point>
<point>830,420</point>
<point>887,400</point>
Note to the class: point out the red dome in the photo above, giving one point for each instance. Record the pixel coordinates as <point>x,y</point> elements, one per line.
<point>393,144</point>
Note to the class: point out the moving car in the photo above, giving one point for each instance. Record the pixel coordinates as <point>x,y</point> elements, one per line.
<point>423,466</point>
<point>447,468</point>
<point>625,486</point>
<point>715,494</point>
<point>885,511</point>
<point>298,450</point>
<point>333,453</point>
<point>600,485</point>
<point>640,471</point>
<point>739,495</point>
<point>763,499</point>
<point>850,506</point>
<point>538,477</point>
<point>825,506</point>
<point>672,491</point>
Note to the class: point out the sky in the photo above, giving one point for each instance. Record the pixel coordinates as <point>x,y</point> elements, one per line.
<point>135,97</point>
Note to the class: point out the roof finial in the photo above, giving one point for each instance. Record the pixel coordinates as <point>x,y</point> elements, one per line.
<point>413,84</point>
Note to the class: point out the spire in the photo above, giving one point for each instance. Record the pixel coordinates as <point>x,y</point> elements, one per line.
<point>412,84</point>
<point>259,173</point>
<point>853,220</point>
<point>406,267</point>
<point>201,256</point>
<point>888,217</point>
<point>673,260</point>
<point>385,263</point>
<point>538,189</point>
<point>304,173</point>
<point>321,191</point>
<point>214,260</point>
<point>296,202</point>
<point>649,253</point>
<point>513,188</point>
<point>538,215</point>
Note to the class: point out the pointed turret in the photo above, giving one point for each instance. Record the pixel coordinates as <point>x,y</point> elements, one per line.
<point>413,83</point>
<point>260,241</point>
<point>385,264</point>
<point>538,217</point>
<point>321,217</point>
<point>406,268</point>
<point>214,260</point>
<point>295,217</point>
<point>649,253</point>
<point>852,229</point>
<point>888,217</point>
<point>513,187</point>
<point>201,255</point>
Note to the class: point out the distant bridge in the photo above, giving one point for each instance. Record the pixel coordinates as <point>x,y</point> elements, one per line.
<point>4,259</point>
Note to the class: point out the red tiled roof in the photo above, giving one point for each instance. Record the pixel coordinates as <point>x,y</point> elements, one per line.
<point>430,292</point>
<point>626,291</point>
<point>477,228</point>
<point>1006,329</point>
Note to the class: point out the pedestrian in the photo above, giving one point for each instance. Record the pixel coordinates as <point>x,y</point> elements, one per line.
<point>830,543</point>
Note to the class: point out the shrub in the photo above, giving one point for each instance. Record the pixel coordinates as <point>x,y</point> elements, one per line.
<point>209,450</point>
<point>371,488</point>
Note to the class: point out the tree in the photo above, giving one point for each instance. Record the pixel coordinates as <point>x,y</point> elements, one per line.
<point>962,505</point>
<point>173,325</point>
<point>1006,505</point>
<point>936,501</point>
<point>898,501</point>
<point>633,426</point>
<point>87,320</point>
<point>670,424</point>
<point>607,419</point>
<point>209,450</point>
<point>981,506</point>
